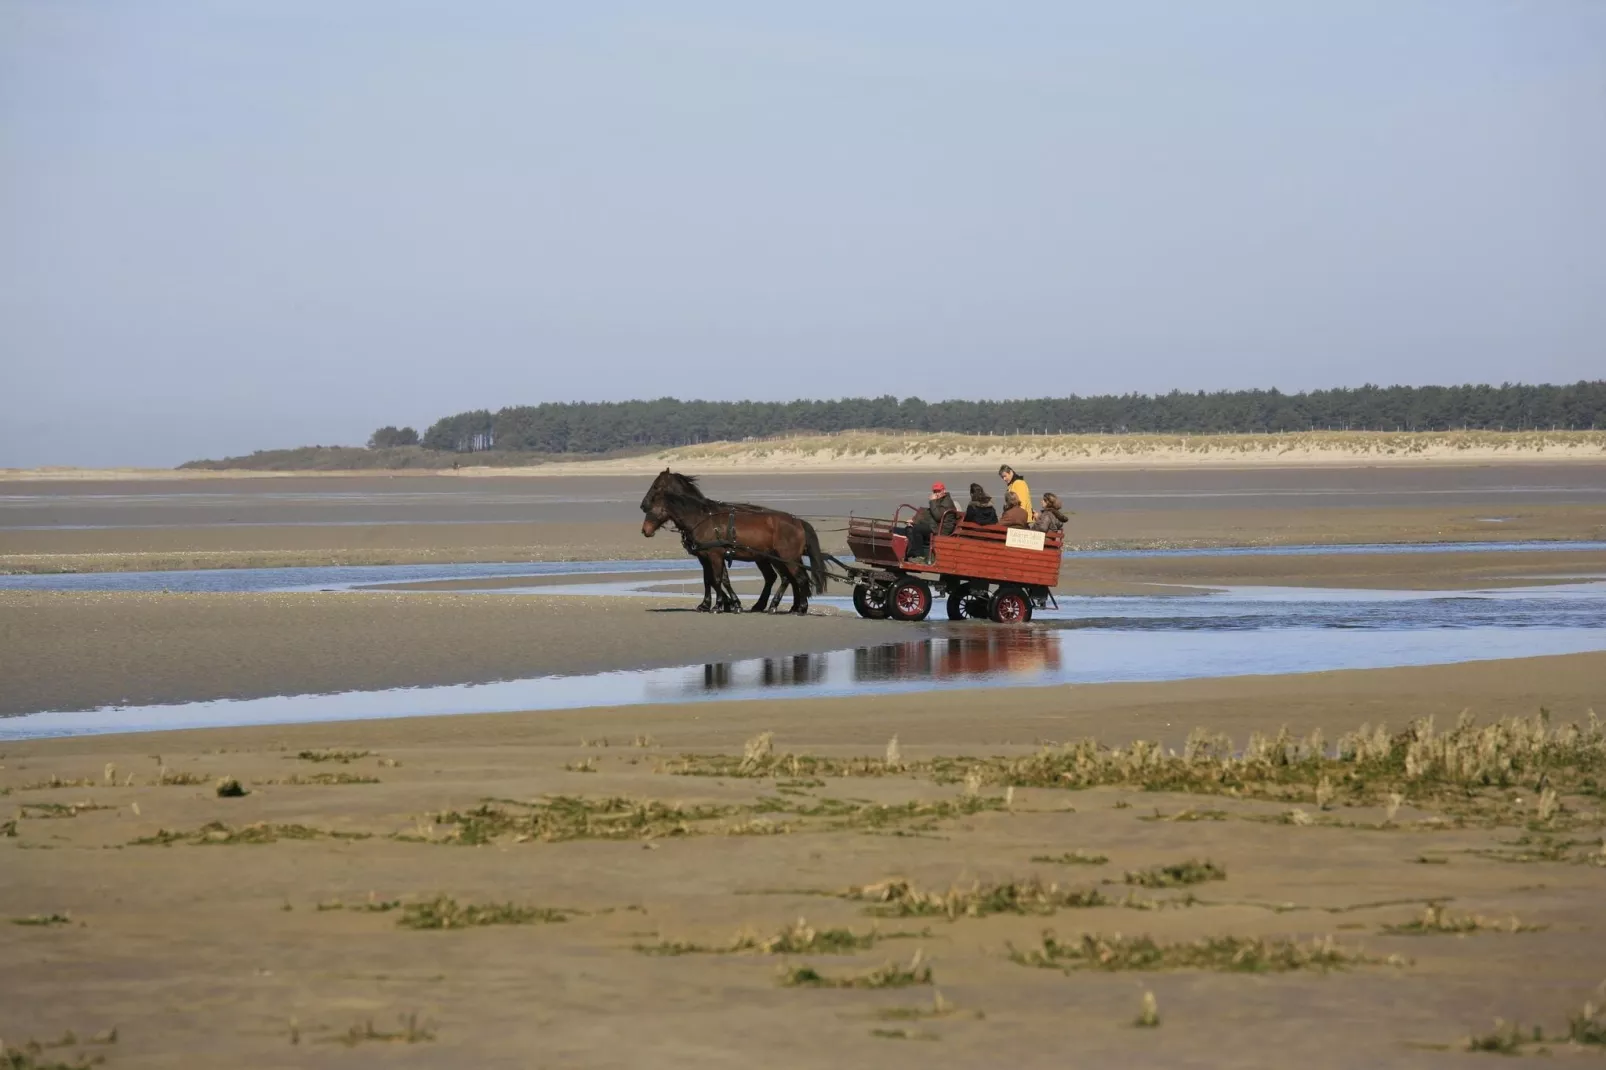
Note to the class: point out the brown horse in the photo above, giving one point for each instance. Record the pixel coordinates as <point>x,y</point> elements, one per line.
<point>713,531</point>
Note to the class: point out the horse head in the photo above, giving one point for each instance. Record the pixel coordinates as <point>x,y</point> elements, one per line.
<point>655,492</point>
<point>653,504</point>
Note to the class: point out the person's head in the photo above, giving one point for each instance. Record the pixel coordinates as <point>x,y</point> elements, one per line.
<point>1012,500</point>
<point>938,490</point>
<point>978,492</point>
<point>1051,501</point>
<point>1006,473</point>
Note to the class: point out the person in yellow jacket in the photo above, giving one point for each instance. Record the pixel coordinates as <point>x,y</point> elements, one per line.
<point>1014,481</point>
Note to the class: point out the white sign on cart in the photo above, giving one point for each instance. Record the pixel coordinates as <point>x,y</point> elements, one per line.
<point>1024,539</point>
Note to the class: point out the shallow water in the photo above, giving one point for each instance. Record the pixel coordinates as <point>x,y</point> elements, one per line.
<point>1238,631</point>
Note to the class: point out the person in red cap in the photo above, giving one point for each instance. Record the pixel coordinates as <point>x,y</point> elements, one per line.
<point>939,514</point>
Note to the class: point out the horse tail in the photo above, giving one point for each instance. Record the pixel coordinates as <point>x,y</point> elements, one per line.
<point>816,558</point>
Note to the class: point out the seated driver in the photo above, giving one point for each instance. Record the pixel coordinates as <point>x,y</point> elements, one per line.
<point>938,515</point>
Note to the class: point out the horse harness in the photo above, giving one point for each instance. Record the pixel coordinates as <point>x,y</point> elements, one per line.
<point>724,541</point>
<point>727,543</point>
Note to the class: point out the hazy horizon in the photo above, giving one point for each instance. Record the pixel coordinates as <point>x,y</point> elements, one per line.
<point>264,224</point>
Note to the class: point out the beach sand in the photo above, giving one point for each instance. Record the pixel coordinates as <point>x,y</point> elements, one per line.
<point>291,952</point>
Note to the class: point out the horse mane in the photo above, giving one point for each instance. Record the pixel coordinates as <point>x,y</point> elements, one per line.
<point>682,501</point>
<point>686,485</point>
<point>683,491</point>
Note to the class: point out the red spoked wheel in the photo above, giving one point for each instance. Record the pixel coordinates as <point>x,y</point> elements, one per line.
<point>911,600</point>
<point>1010,606</point>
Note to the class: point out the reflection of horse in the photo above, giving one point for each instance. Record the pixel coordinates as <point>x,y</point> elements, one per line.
<point>714,531</point>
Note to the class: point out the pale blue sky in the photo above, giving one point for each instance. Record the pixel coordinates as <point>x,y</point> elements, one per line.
<point>233,225</point>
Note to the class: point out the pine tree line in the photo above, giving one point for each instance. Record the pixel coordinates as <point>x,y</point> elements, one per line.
<point>601,427</point>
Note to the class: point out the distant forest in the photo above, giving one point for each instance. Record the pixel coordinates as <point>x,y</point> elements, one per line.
<point>603,427</point>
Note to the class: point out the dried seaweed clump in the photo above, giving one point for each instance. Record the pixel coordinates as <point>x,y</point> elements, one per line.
<point>900,899</point>
<point>565,817</point>
<point>1230,954</point>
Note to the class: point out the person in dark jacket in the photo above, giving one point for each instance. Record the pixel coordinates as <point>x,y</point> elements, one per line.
<point>940,514</point>
<point>980,510</point>
<point>1014,515</point>
<point>1051,517</point>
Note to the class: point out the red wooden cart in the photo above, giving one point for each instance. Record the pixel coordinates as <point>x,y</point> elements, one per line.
<point>985,571</point>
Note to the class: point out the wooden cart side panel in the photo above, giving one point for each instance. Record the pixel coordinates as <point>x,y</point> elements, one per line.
<point>981,560</point>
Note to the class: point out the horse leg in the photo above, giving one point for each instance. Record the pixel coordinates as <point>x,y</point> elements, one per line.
<point>800,588</point>
<point>787,583</point>
<point>707,604</point>
<point>728,602</point>
<point>768,572</point>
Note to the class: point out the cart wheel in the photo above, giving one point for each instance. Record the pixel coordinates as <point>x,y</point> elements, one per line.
<point>871,601</point>
<point>968,603</point>
<point>911,600</point>
<point>1010,606</point>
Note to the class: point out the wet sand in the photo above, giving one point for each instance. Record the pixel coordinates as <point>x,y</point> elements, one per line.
<point>149,549</point>
<point>81,650</point>
<point>86,526</point>
<point>286,952</point>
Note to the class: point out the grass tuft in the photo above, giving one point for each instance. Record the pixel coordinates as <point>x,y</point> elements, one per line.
<point>1149,1013</point>
<point>409,1033</point>
<point>444,912</point>
<point>44,920</point>
<point>216,832</point>
<point>900,899</point>
<point>564,817</point>
<point>1073,858</point>
<point>52,810</point>
<point>1469,771</point>
<point>230,788</point>
<point>344,757</point>
<point>1436,919</point>
<point>1506,1038</point>
<point>892,975</point>
<point>323,779</point>
<point>1587,1027</point>
<point>56,782</point>
<point>1177,875</point>
<point>1230,954</point>
<point>1187,815</point>
<point>902,1034</point>
<point>798,938</point>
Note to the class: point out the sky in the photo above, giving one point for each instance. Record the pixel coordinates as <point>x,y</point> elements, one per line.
<point>227,226</point>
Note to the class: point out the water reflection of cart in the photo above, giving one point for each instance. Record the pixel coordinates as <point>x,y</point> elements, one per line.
<point>985,571</point>
<point>1014,653</point>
